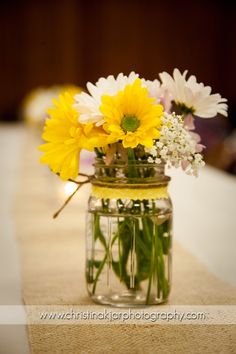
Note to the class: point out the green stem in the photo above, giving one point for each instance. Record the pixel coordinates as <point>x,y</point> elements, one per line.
<point>159,282</point>
<point>157,265</point>
<point>131,154</point>
<point>99,272</point>
<point>146,228</point>
<point>119,252</point>
<point>132,170</point>
<point>162,281</point>
<point>99,153</point>
<point>151,272</point>
<point>98,233</point>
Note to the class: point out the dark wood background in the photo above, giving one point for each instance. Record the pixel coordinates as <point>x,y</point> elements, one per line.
<point>45,42</point>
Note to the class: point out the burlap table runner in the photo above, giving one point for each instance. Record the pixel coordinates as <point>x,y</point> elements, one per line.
<point>53,259</point>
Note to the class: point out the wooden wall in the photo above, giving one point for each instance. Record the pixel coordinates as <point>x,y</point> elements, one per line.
<point>44,42</point>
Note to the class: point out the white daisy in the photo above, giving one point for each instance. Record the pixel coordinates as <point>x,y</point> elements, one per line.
<point>193,97</point>
<point>153,87</point>
<point>37,103</point>
<point>39,100</point>
<point>155,90</point>
<point>88,105</point>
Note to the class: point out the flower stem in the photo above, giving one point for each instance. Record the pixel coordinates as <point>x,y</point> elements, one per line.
<point>69,199</point>
<point>98,273</point>
<point>132,170</point>
<point>151,270</point>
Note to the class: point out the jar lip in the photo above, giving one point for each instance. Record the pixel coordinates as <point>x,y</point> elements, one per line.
<point>136,182</point>
<point>99,162</point>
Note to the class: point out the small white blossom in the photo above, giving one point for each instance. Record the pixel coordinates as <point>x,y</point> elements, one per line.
<point>159,144</point>
<point>176,146</point>
<point>150,159</point>
<point>158,161</point>
<point>151,151</point>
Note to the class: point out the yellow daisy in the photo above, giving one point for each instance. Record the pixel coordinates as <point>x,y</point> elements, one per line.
<point>132,116</point>
<point>72,89</point>
<point>65,137</point>
<point>39,100</point>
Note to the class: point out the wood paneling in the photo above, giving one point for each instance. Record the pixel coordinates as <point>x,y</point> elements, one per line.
<point>49,42</point>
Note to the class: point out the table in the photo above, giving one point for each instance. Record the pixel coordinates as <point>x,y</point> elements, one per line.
<point>11,141</point>
<point>204,222</point>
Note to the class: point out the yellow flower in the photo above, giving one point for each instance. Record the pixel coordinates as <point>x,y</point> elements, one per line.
<point>131,116</point>
<point>71,89</point>
<point>65,137</point>
<point>39,100</point>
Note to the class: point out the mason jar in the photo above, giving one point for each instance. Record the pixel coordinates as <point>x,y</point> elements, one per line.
<point>129,234</point>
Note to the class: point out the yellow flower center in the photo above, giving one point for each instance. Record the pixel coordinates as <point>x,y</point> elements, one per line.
<point>129,123</point>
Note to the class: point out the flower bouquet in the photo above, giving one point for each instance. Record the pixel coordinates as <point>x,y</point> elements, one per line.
<point>136,128</point>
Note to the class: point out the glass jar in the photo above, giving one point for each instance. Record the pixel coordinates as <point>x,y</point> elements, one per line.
<point>129,238</point>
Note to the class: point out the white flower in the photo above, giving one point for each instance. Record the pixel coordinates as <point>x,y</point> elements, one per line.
<point>158,161</point>
<point>38,102</point>
<point>150,159</point>
<point>151,151</point>
<point>177,146</point>
<point>155,90</point>
<point>194,96</point>
<point>88,104</point>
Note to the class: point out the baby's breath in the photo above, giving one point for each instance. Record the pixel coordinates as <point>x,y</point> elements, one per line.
<point>176,146</point>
